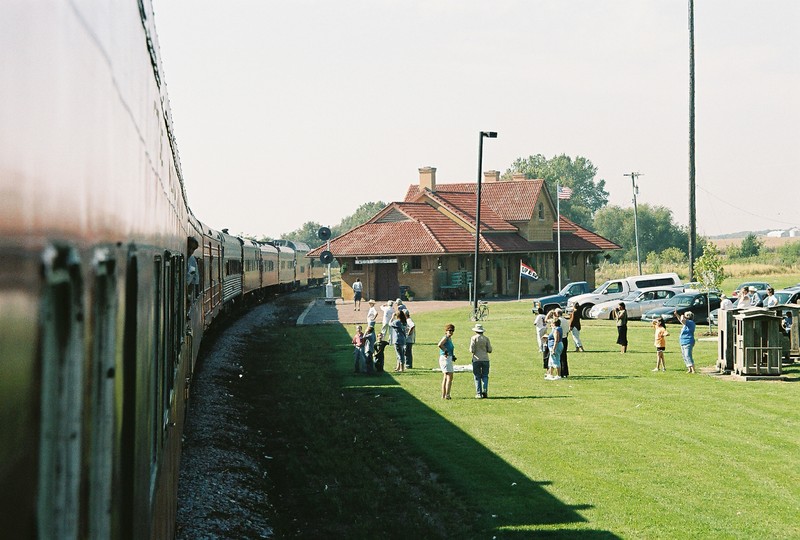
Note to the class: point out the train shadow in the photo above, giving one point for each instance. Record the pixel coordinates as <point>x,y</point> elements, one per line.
<point>507,499</point>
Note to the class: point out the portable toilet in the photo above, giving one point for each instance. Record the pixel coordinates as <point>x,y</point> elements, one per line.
<point>726,342</point>
<point>758,342</point>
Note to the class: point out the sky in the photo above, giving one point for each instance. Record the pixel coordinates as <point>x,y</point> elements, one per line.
<point>287,112</point>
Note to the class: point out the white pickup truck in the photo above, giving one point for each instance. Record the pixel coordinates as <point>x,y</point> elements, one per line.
<point>619,288</point>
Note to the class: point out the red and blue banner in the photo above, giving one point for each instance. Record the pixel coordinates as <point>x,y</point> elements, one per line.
<point>527,271</point>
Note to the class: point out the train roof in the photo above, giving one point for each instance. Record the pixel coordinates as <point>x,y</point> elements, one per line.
<point>297,246</point>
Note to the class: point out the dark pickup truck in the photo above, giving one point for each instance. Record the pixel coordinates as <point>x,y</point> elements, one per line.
<point>553,301</point>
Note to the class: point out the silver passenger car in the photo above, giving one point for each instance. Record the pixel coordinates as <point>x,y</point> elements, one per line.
<point>636,303</point>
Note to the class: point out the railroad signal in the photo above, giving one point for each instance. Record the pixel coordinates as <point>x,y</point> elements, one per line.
<point>324,233</point>
<point>326,257</point>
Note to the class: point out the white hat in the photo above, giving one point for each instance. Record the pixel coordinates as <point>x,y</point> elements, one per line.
<point>371,301</point>
<point>398,301</point>
<point>478,328</point>
<point>389,302</point>
<point>752,289</point>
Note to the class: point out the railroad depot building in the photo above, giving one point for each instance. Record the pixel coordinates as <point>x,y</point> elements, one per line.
<point>424,247</point>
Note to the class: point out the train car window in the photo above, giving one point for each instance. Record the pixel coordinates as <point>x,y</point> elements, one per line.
<point>168,348</point>
<point>61,364</point>
<point>102,397</point>
<point>158,351</point>
<point>128,428</point>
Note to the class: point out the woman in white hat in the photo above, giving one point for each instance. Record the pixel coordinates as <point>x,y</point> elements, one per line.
<point>480,347</point>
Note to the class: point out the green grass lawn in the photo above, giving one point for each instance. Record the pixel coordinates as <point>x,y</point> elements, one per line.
<point>613,451</point>
<point>622,449</point>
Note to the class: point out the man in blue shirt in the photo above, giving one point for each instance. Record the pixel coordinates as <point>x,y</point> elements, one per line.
<point>686,339</point>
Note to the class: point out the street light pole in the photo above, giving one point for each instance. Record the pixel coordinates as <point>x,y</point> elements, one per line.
<point>490,135</point>
<point>633,176</point>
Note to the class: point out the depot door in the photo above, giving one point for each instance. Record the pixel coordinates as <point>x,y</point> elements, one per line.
<point>386,285</point>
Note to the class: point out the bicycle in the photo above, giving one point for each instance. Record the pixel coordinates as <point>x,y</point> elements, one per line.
<point>482,313</point>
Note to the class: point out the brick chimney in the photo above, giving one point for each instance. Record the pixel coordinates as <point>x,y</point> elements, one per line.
<point>518,176</point>
<point>427,178</point>
<point>491,176</point>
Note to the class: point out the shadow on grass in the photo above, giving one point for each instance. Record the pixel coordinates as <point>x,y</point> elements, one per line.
<point>502,495</point>
<point>593,377</point>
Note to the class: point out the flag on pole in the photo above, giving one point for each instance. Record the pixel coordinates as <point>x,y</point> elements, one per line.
<point>564,192</point>
<point>527,271</point>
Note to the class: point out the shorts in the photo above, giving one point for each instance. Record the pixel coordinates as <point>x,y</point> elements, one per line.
<point>446,364</point>
<point>358,296</point>
<point>661,349</point>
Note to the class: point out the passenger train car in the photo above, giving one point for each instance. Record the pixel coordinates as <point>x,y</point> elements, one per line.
<point>99,331</point>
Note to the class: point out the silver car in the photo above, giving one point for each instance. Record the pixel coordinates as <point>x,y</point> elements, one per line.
<point>636,303</point>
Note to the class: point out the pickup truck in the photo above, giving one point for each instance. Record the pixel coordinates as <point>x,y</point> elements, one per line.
<point>553,301</point>
<point>619,288</point>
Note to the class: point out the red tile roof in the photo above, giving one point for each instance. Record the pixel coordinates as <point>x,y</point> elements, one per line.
<point>430,223</point>
<point>513,200</point>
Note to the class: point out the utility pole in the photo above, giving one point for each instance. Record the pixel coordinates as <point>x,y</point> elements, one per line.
<point>634,176</point>
<point>692,209</point>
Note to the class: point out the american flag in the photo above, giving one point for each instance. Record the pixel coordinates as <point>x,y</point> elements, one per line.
<point>564,192</point>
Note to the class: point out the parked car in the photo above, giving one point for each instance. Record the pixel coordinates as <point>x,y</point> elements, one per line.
<point>697,303</point>
<point>553,301</point>
<point>636,303</point>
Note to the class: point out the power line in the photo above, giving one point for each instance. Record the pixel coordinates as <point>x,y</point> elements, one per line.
<point>746,211</point>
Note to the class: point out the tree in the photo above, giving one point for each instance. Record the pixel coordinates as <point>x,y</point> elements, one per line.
<point>709,270</point>
<point>361,215</point>
<point>588,195</point>
<point>307,233</point>
<point>657,231</point>
<point>751,246</point>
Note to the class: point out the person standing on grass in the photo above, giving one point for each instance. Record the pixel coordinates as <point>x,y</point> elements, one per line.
<point>399,338</point>
<point>564,371</point>
<point>380,345</point>
<point>480,347</point>
<point>575,327</point>
<point>388,311</point>
<point>369,349</point>
<point>358,288</point>
<point>411,338</point>
<point>621,315</point>
<point>686,339</point>
<point>358,351</point>
<point>541,328</point>
<point>555,344</point>
<point>372,314</point>
<point>660,343</point>
<point>446,357</point>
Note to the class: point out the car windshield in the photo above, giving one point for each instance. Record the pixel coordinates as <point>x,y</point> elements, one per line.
<point>680,300</point>
<point>599,289</point>
<point>566,290</point>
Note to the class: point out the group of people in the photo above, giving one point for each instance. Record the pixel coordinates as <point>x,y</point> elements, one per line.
<point>397,326</point>
<point>553,346</point>
<point>479,346</point>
